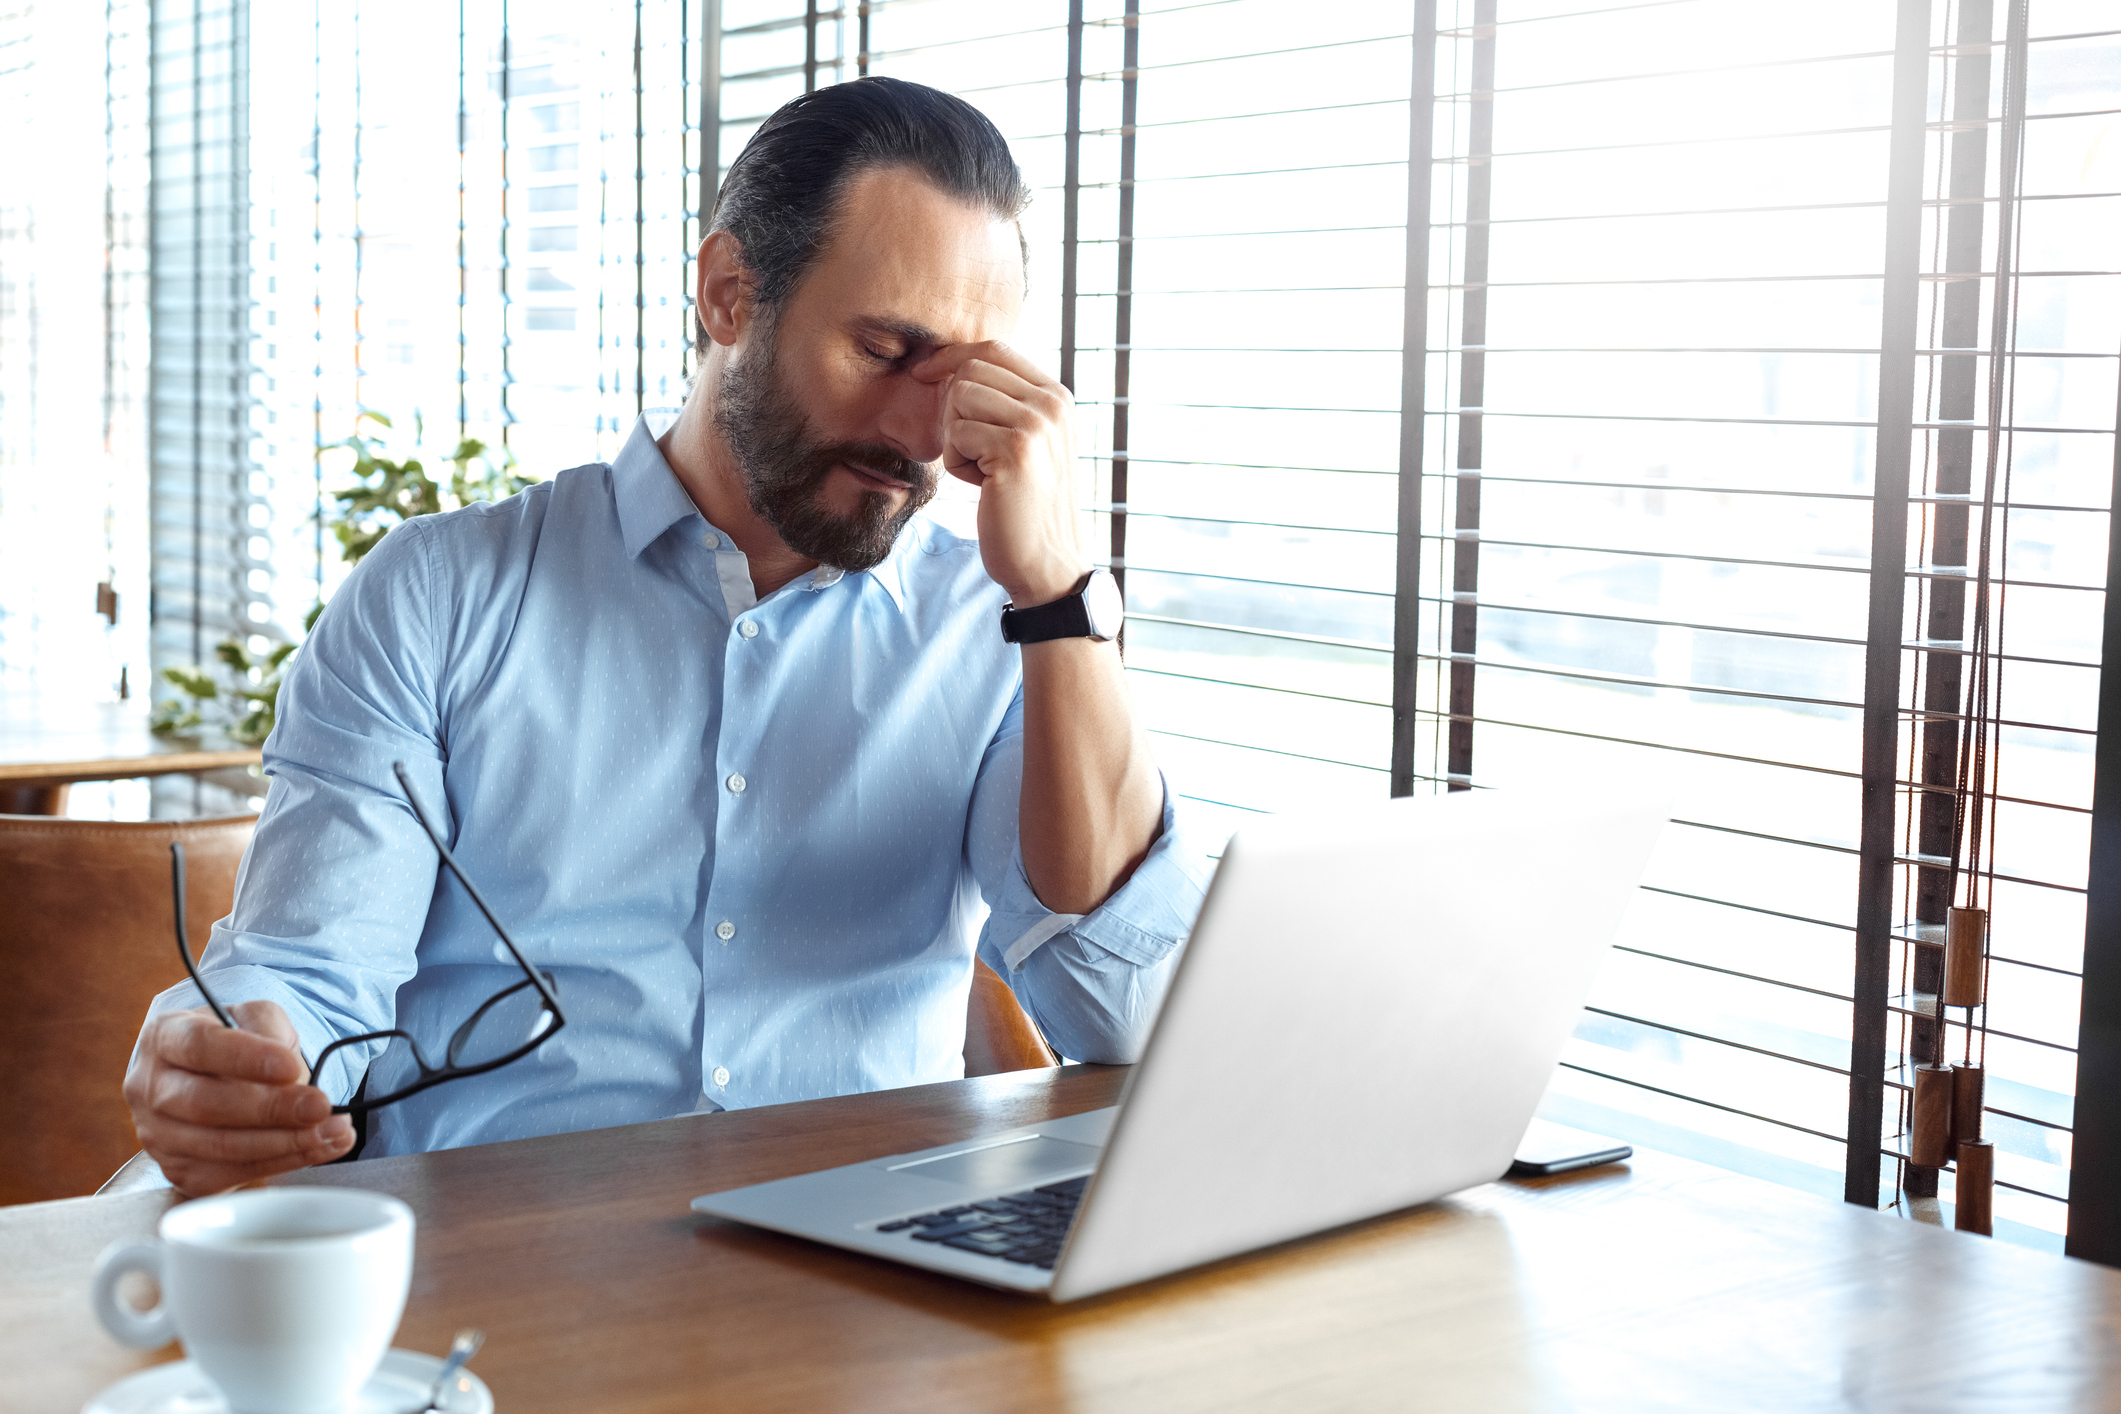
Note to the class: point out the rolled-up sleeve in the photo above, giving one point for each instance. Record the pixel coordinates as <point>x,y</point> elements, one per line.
<point>1093,981</point>
<point>334,889</point>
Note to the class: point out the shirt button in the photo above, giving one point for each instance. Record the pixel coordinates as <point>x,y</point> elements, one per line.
<point>736,783</point>
<point>747,628</point>
<point>721,1076</point>
<point>711,540</point>
<point>725,930</point>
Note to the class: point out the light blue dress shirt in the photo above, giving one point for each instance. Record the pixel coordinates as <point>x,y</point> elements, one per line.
<point>755,841</point>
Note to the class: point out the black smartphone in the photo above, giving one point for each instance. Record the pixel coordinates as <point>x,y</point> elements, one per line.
<point>1548,1149</point>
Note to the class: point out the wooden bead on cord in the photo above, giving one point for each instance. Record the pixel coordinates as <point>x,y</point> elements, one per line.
<point>1968,1084</point>
<point>1965,932</point>
<point>1930,1143</point>
<point>1975,1187</point>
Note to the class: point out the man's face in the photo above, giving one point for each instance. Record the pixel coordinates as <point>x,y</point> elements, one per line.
<point>835,439</point>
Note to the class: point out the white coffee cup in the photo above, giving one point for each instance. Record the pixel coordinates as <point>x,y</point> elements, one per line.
<point>286,1298</point>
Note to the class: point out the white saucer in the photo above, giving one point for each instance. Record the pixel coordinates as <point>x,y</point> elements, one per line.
<point>399,1386</point>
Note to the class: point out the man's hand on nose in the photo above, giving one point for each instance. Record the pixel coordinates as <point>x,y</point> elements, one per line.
<point>1009,429</point>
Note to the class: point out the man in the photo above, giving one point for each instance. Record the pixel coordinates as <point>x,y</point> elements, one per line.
<point>732,742</point>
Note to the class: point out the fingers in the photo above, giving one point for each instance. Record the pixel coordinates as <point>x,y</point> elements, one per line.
<point>196,1041</point>
<point>984,402</point>
<point>986,447</point>
<point>267,1020</point>
<point>1035,390</point>
<point>959,360</point>
<point>233,1104</point>
<point>947,360</point>
<point>997,394</point>
<point>216,1107</point>
<point>208,1144</point>
<point>200,1159</point>
<point>995,424</point>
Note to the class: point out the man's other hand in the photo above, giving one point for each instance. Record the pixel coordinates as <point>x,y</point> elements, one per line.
<point>216,1107</point>
<point>1009,429</point>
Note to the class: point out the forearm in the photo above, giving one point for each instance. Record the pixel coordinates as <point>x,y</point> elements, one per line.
<point>1091,801</point>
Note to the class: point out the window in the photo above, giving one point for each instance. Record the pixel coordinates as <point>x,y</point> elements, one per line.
<point>556,117</point>
<point>535,79</point>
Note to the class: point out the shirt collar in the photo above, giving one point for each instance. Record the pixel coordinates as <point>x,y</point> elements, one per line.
<point>649,496</point>
<point>888,574</point>
<point>651,500</point>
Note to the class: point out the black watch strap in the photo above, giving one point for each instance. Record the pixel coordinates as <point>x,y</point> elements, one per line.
<point>1066,617</point>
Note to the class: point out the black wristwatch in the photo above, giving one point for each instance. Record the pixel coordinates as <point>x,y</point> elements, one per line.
<point>1092,611</point>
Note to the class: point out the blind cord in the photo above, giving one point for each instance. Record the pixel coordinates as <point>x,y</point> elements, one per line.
<point>1981,748</point>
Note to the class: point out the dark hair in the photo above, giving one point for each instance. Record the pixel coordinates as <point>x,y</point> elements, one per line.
<point>784,188</point>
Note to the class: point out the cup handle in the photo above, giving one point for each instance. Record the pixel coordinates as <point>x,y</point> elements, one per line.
<point>143,1330</point>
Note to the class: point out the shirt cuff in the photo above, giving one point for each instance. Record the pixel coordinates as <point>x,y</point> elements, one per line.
<point>1035,936</point>
<point>1144,920</point>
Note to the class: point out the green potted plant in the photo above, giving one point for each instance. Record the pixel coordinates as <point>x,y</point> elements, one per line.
<point>386,491</point>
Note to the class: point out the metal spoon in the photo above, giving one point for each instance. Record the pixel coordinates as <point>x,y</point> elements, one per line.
<point>461,1350</point>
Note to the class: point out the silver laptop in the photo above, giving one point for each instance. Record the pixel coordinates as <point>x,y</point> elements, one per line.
<point>1366,1015</point>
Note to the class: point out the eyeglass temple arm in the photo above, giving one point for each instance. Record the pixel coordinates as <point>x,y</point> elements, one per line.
<point>405,783</point>
<point>176,879</point>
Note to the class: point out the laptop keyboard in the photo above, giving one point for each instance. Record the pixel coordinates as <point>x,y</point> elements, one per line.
<point>1024,1227</point>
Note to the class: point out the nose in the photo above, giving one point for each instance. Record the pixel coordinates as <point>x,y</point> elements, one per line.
<point>912,419</point>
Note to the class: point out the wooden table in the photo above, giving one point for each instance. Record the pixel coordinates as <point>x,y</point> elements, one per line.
<point>1662,1285</point>
<point>46,746</point>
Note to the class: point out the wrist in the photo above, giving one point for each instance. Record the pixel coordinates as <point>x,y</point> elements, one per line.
<point>1044,589</point>
<point>1091,608</point>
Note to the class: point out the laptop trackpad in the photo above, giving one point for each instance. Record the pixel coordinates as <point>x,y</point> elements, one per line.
<point>1018,1164</point>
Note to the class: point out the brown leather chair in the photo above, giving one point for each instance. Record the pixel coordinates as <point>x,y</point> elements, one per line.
<point>86,940</point>
<point>998,1036</point>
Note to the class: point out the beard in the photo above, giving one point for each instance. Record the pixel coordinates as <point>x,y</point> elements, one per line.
<point>785,465</point>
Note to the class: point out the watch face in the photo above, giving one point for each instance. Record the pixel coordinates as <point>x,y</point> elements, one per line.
<point>1101,599</point>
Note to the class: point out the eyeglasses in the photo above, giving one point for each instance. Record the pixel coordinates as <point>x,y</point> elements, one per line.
<point>508,1026</point>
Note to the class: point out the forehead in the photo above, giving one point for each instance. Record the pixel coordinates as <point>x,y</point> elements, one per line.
<point>904,253</point>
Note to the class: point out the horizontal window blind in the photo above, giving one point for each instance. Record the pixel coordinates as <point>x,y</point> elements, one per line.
<point>208,504</point>
<point>476,220</point>
<point>199,440</point>
<point>1645,517</point>
<point>1216,245</point>
<point>1654,476</point>
<point>1260,290</point>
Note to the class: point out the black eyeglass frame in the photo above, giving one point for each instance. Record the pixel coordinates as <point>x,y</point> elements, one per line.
<point>430,1075</point>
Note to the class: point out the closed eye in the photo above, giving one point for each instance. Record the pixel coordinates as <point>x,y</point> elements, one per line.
<point>881,355</point>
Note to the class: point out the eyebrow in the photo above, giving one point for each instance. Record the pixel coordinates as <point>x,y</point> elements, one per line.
<point>912,335</point>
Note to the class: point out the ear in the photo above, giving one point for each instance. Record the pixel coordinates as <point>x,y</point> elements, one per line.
<point>722,297</point>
